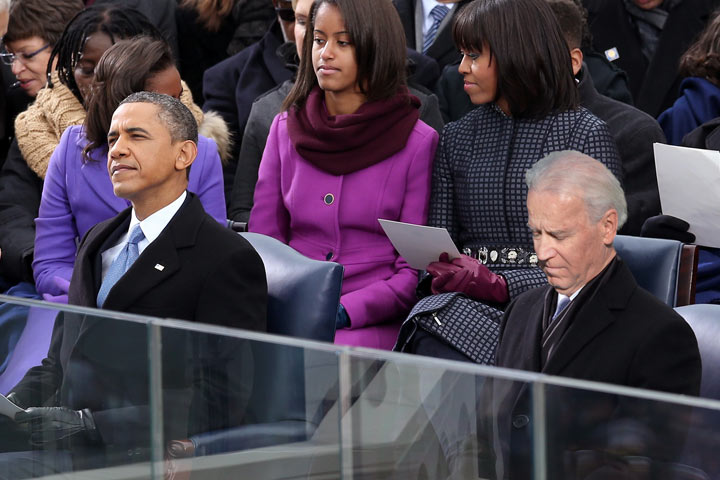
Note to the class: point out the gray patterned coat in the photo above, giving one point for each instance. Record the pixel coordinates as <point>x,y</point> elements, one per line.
<point>478,182</point>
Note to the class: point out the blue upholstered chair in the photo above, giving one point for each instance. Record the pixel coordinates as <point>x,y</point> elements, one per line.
<point>303,300</point>
<point>702,443</point>
<point>657,265</point>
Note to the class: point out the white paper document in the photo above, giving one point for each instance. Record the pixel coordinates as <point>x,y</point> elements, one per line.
<point>689,184</point>
<point>419,245</point>
<point>8,408</point>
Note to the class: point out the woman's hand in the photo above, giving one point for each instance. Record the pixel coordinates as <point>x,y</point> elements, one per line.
<point>469,276</point>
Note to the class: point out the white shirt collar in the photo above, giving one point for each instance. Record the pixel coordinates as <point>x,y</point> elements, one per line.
<point>571,297</point>
<point>153,225</point>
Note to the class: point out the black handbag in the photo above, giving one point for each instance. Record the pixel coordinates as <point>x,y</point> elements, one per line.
<point>468,326</point>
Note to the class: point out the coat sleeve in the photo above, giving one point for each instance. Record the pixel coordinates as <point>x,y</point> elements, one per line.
<point>55,229</point>
<point>442,197</point>
<point>387,299</point>
<point>208,180</point>
<point>41,382</point>
<point>20,190</point>
<point>269,215</point>
<point>246,175</point>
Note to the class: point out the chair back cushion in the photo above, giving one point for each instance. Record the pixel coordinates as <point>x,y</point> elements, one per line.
<point>705,322</point>
<point>303,297</point>
<point>303,293</point>
<point>654,262</point>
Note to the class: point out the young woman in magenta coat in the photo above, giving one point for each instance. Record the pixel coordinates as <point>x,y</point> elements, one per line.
<point>347,150</point>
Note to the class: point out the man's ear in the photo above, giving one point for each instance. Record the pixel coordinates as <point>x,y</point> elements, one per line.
<point>609,224</point>
<point>186,155</point>
<point>576,56</point>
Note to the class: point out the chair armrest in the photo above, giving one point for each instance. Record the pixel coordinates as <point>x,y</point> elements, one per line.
<point>237,226</point>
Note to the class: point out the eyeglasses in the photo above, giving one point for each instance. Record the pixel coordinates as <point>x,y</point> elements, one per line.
<point>285,14</point>
<point>9,58</point>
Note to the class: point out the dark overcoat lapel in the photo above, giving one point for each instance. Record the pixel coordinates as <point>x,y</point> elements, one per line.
<point>597,315</point>
<point>157,263</point>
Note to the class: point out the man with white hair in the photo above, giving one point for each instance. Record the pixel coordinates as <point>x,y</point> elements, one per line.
<point>591,322</point>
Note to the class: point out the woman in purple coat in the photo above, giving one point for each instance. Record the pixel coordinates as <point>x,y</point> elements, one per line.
<point>349,149</point>
<point>77,192</point>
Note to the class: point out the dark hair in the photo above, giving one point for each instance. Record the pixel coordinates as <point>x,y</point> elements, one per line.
<point>377,34</point>
<point>123,69</point>
<point>177,117</point>
<point>116,22</point>
<point>40,18</point>
<point>572,18</point>
<point>210,13</point>
<point>702,59</point>
<point>534,69</point>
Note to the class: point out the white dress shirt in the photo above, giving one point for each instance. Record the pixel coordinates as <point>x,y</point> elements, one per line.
<point>151,227</point>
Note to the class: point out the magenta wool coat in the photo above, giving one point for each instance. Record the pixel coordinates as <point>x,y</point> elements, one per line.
<point>335,217</point>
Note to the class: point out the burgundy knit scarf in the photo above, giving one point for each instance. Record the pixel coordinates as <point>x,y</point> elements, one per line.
<point>342,144</point>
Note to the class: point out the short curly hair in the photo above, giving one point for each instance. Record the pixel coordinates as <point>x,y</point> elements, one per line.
<point>40,18</point>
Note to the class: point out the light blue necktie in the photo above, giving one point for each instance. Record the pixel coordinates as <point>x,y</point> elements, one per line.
<point>438,14</point>
<point>562,303</point>
<point>121,264</point>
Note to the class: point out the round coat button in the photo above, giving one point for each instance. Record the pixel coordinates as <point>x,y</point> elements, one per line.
<point>520,421</point>
<point>329,198</point>
<point>329,256</point>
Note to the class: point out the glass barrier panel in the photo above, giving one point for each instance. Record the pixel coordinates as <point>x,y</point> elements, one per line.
<point>412,417</point>
<point>243,405</point>
<point>616,434</point>
<point>79,380</point>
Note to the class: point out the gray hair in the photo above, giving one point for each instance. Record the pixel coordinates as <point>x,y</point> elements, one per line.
<point>569,171</point>
<point>177,117</point>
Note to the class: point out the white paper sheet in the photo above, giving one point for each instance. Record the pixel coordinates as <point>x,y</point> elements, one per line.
<point>8,408</point>
<point>689,184</point>
<point>419,245</point>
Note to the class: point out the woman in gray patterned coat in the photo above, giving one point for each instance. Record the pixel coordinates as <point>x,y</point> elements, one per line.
<point>516,67</point>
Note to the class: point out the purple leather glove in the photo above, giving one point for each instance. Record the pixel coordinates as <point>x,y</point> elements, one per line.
<point>469,276</point>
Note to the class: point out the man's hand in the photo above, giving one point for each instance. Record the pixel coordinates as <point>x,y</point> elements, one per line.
<point>50,424</point>
<point>467,275</point>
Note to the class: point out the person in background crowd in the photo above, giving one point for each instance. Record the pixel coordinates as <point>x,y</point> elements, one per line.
<point>209,31</point>
<point>528,106</point>
<point>161,13</point>
<point>39,128</point>
<point>634,131</point>
<point>12,100</point>
<point>707,290</point>
<point>231,86</point>
<point>646,38</point>
<point>78,193</point>
<point>592,322</point>
<point>34,28</point>
<point>427,27</point>
<point>699,101</point>
<point>268,105</point>
<point>349,149</point>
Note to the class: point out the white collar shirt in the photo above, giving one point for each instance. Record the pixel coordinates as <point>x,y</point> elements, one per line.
<point>151,227</point>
